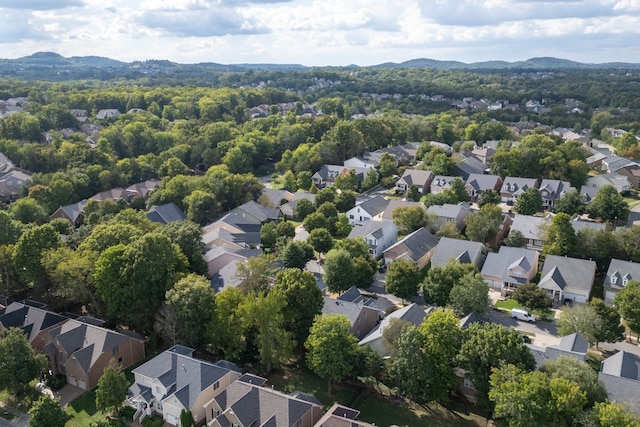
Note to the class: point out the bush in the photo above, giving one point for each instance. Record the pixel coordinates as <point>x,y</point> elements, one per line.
<point>152,422</point>
<point>127,412</point>
<point>57,382</point>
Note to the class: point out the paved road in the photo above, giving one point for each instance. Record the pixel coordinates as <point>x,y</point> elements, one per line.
<point>545,332</point>
<point>21,421</point>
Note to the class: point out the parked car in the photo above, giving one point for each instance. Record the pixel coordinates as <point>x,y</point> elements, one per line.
<point>520,314</point>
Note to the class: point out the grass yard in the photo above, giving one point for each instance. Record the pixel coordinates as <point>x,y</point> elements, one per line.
<point>508,304</point>
<point>384,411</point>
<point>631,202</point>
<point>83,410</point>
<point>374,408</point>
<point>594,359</point>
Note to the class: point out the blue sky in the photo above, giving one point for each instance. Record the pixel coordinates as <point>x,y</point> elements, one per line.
<point>323,32</point>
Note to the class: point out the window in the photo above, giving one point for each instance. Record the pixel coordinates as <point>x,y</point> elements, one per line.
<point>350,216</point>
<point>119,359</point>
<point>158,389</point>
<point>625,280</point>
<point>115,350</point>
<point>469,384</point>
<point>614,279</point>
<point>216,385</point>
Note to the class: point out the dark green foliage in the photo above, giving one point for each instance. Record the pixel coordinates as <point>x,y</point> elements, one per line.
<point>532,297</point>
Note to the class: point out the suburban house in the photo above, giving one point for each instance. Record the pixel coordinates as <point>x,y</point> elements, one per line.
<point>378,235</point>
<point>112,195</point>
<point>579,224</point>
<point>572,345</point>
<point>513,187</point>
<point>483,154</point>
<point>367,210</point>
<point>243,228</point>
<point>222,263</point>
<point>289,209</point>
<point>255,210</point>
<point>412,313</point>
<point>620,374</point>
<point>509,268</point>
<point>619,182</point>
<point>247,403</point>
<point>387,214</point>
<point>12,178</point>
<point>174,380</point>
<point>477,183</point>
<point>632,172</point>
<point>552,190</point>
<point>341,416</point>
<point>144,188</point>
<point>164,214</point>
<point>420,178</point>
<point>271,197</point>
<point>532,228</point>
<point>109,113</point>
<point>368,160</point>
<point>417,247</point>
<point>362,317</point>
<point>467,166</point>
<point>81,351</point>
<point>440,183</point>
<point>462,250</point>
<point>404,154</point>
<point>32,318</point>
<point>450,213</point>
<point>566,278</point>
<point>618,275</point>
<point>74,213</point>
<point>328,174</point>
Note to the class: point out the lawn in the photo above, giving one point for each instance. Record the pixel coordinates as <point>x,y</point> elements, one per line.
<point>385,411</point>
<point>508,304</point>
<point>594,359</point>
<point>374,408</point>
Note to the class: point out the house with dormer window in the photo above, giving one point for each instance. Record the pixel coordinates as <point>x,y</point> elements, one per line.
<point>174,381</point>
<point>618,276</point>
<point>513,187</point>
<point>552,190</point>
<point>509,268</point>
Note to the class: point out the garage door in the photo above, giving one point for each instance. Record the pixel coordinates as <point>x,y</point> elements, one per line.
<point>72,380</point>
<point>171,419</point>
<point>82,384</point>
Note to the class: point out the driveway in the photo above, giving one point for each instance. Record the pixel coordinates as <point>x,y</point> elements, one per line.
<point>545,333</point>
<point>67,393</point>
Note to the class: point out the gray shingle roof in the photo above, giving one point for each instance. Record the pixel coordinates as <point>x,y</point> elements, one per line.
<point>164,214</point>
<point>499,264</point>
<point>517,185</point>
<point>374,205</point>
<point>622,270</point>
<point>481,182</point>
<point>573,343</point>
<point>531,227</point>
<point>413,246</point>
<point>375,228</point>
<point>31,319</point>
<point>412,313</point>
<point>462,250</point>
<point>417,177</point>
<point>623,364</point>
<point>572,275</point>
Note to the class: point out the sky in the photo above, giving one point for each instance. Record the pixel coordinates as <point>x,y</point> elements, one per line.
<point>323,32</point>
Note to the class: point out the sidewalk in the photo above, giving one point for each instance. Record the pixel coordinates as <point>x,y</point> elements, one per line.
<point>21,419</point>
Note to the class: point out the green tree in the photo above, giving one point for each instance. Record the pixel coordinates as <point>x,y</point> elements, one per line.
<point>188,236</point>
<point>186,418</point>
<point>571,203</point>
<point>611,329</point>
<point>10,229</point>
<point>274,343</point>
<point>580,373</point>
<point>582,319</point>
<point>28,251</point>
<point>515,239</point>
<point>338,270</point>
<point>422,367</point>
<point>532,398</point>
<point>529,202</point>
<point>193,302</point>
<point>457,188</point>
<point>332,350</point>
<point>560,237</point>
<point>628,303</point>
<point>348,181</point>
<point>370,179</point>
<point>345,200</point>
<point>363,272</point>
<point>609,205</point>
<point>112,388</point>
<point>489,346</point>
<point>257,274</point>
<point>470,295</point>
<point>409,218</point>
<point>304,207</point>
<point>303,301</point>
<point>285,229</point>
<point>27,211</point>
<point>532,297</point>
<point>132,280</point>
<point>439,281</point>
<point>226,330</point>
<point>609,414</point>
<point>268,235</point>
<point>304,180</point>
<point>483,226</point>
<point>297,254</point>
<point>388,165</point>
<point>47,412</point>
<point>403,279</point>
<point>321,241</point>
<point>316,220</point>
<point>71,273</point>
<point>19,363</point>
<point>489,197</point>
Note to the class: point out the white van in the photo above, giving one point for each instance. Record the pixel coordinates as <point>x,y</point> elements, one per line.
<point>520,314</point>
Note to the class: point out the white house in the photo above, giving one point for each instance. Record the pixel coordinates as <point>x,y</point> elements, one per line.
<point>379,236</point>
<point>367,210</point>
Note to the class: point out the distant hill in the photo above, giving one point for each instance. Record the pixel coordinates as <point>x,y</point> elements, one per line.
<point>41,64</point>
